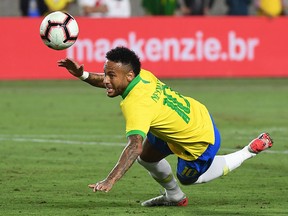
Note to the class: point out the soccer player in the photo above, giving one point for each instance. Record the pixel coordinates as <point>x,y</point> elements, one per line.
<point>160,122</point>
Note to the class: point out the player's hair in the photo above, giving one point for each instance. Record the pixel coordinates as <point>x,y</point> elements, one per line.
<point>126,57</point>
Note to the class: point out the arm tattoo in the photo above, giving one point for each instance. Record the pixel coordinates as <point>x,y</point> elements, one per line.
<point>130,153</point>
<point>96,79</point>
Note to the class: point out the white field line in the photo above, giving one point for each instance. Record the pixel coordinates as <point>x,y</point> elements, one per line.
<point>70,142</point>
<point>19,138</point>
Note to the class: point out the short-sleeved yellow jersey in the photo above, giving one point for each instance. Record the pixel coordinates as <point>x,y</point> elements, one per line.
<point>272,8</point>
<point>57,5</point>
<point>184,123</point>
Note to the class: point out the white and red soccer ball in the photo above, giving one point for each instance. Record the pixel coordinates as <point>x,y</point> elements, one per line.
<point>59,30</point>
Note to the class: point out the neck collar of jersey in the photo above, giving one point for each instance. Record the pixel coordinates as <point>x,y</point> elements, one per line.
<point>131,86</point>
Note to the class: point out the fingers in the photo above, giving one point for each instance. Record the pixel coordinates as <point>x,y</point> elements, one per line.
<point>66,62</point>
<point>98,187</point>
<point>92,186</point>
<point>63,62</point>
<point>70,65</point>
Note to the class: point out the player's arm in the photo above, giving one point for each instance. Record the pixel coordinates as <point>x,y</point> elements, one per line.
<point>94,79</point>
<point>130,153</point>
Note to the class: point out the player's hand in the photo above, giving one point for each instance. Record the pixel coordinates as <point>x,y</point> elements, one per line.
<point>72,66</point>
<point>104,185</point>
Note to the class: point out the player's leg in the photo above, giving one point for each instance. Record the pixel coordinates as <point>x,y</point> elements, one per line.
<point>209,166</point>
<point>222,164</point>
<point>153,159</point>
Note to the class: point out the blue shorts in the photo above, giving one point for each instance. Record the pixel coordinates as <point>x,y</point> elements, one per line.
<point>189,171</point>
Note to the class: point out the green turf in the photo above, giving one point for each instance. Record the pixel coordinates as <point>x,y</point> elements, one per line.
<point>56,137</point>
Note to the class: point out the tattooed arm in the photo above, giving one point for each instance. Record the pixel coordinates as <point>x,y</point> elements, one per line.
<point>130,153</point>
<point>94,79</point>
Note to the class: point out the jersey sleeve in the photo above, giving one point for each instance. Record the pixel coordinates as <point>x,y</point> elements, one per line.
<point>138,116</point>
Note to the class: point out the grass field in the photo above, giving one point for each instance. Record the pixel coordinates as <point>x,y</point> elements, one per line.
<point>56,137</point>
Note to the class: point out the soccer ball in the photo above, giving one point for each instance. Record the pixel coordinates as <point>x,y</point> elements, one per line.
<point>59,30</point>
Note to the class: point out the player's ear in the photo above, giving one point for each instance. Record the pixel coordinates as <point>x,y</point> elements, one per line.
<point>130,76</point>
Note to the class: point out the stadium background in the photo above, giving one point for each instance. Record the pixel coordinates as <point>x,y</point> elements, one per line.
<point>214,46</point>
<point>11,8</point>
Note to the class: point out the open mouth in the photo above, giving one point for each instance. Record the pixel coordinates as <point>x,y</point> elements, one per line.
<point>109,90</point>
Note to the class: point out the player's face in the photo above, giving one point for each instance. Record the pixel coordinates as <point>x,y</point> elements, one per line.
<point>117,77</point>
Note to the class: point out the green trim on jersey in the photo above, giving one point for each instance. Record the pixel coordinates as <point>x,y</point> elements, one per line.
<point>134,132</point>
<point>131,85</point>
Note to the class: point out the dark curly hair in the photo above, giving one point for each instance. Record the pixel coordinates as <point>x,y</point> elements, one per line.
<point>126,57</point>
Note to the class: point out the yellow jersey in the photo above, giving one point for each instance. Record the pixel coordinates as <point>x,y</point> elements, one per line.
<point>57,5</point>
<point>184,123</point>
<point>271,7</point>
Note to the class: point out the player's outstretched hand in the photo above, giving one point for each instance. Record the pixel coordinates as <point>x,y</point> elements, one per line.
<point>101,186</point>
<point>72,66</point>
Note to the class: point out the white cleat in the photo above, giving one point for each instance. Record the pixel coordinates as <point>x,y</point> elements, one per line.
<point>163,201</point>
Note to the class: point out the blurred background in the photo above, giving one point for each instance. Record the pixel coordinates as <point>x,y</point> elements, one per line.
<point>218,8</point>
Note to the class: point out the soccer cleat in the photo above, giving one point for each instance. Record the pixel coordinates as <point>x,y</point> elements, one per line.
<point>262,142</point>
<point>163,201</point>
